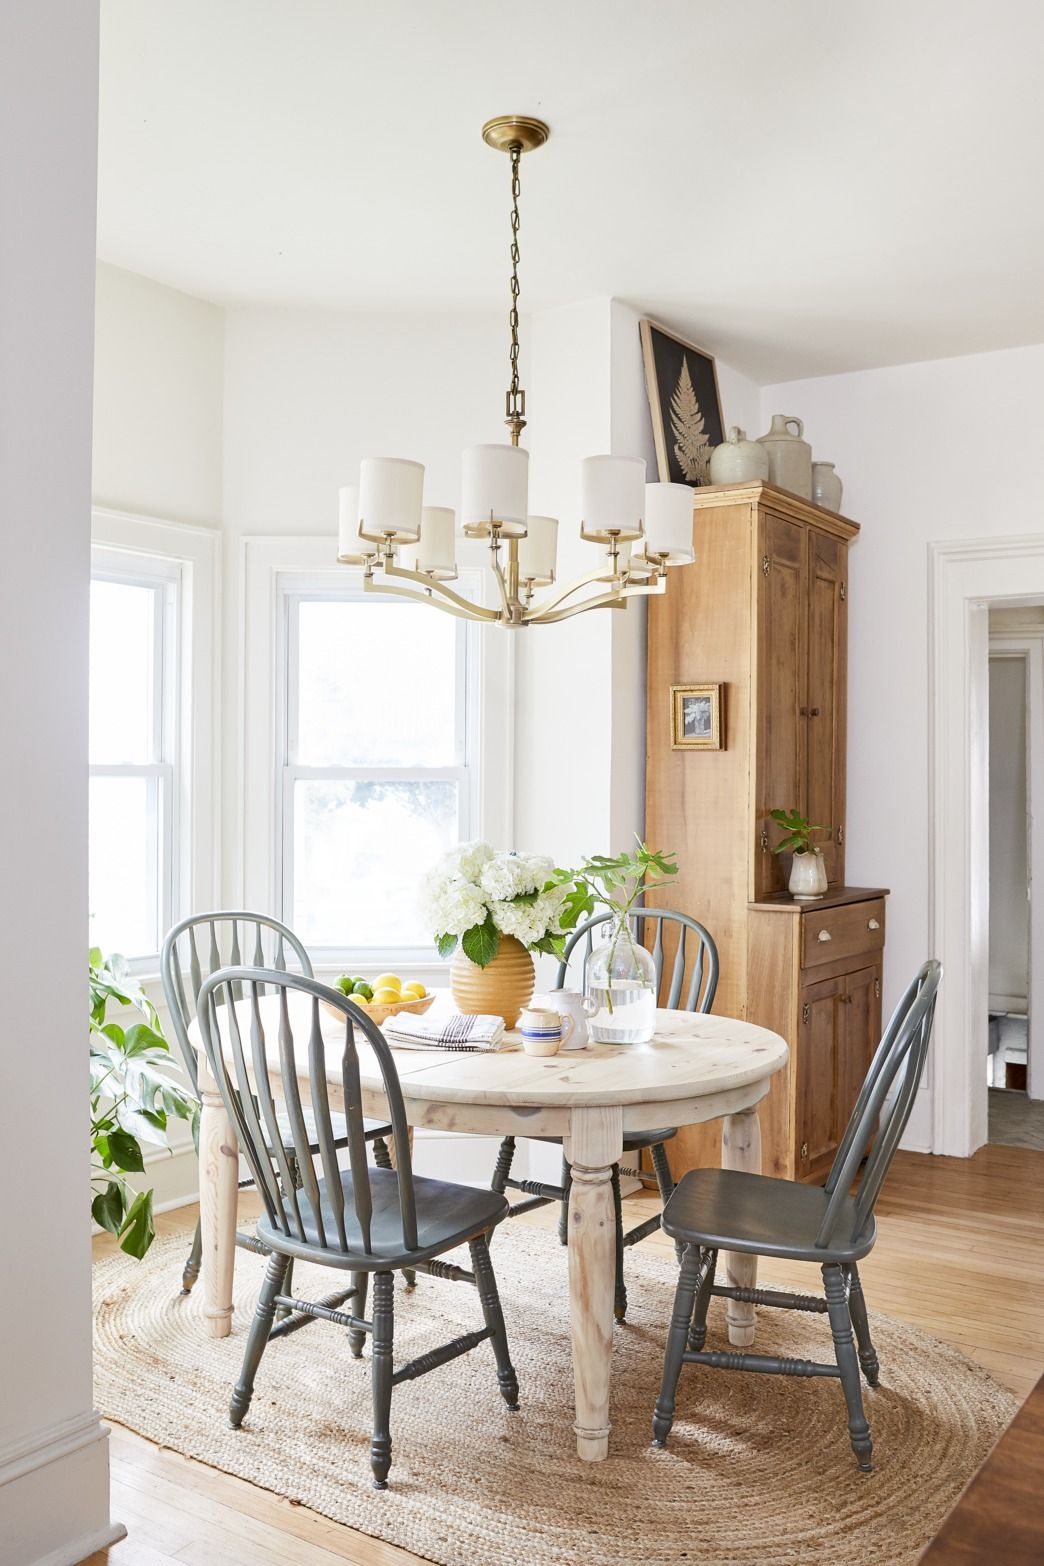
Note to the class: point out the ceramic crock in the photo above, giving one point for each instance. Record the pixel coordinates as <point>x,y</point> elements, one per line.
<point>790,457</point>
<point>738,460</point>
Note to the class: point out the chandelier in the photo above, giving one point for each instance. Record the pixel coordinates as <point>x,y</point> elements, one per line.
<point>408,549</point>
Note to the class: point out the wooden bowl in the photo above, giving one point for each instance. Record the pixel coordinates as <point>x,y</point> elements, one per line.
<point>385,1009</point>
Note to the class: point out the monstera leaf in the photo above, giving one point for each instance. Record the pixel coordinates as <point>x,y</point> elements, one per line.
<point>692,445</point>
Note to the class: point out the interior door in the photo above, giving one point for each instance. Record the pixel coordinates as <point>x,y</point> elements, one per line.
<point>780,674</point>
<point>823,708</point>
<point>816,1098</point>
<point>859,1035</point>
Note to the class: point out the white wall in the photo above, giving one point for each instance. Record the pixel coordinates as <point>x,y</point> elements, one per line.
<point>158,400</point>
<point>53,1451</point>
<point>1009,867</point>
<point>926,452</point>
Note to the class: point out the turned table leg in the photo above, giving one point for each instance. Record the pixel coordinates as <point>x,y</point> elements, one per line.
<point>741,1149</point>
<point>218,1195</point>
<point>593,1146</point>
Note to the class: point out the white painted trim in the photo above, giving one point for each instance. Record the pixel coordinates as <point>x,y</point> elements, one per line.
<point>965,575</point>
<point>82,1548</point>
<point>1029,645</point>
<point>48,1445</point>
<point>196,552</point>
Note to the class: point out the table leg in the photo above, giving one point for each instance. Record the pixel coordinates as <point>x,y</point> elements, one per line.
<point>593,1146</point>
<point>741,1149</point>
<point>218,1197</point>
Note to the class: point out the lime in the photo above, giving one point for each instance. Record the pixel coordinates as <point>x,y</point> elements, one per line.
<point>362,990</point>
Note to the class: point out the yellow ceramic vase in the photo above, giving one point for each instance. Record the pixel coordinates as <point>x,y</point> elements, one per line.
<point>499,990</point>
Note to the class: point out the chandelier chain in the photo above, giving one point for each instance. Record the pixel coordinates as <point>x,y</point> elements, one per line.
<point>516,397</point>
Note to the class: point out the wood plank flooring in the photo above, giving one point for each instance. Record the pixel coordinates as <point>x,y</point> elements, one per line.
<point>960,1253</point>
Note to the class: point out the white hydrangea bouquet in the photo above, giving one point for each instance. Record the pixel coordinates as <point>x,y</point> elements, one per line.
<point>474,895</point>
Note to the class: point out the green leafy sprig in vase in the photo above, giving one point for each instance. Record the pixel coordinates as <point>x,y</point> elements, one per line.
<point>808,877</point>
<point>621,975</point>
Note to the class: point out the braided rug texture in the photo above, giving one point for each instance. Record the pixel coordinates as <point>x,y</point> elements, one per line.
<point>758,1471</point>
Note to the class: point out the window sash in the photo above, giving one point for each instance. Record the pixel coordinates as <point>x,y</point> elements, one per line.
<point>293,591</point>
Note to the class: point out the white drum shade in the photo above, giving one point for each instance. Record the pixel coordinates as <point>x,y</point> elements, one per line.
<point>434,551</point>
<point>494,485</point>
<point>668,523</point>
<point>612,498</point>
<point>537,552</point>
<point>390,495</point>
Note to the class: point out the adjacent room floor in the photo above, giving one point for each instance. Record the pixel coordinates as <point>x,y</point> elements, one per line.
<point>960,1253</point>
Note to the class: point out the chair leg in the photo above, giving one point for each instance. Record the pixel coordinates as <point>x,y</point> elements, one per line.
<point>288,1288</point>
<point>563,1211</point>
<point>848,1364</point>
<point>190,1271</point>
<point>381,1376</point>
<point>665,1181</point>
<point>356,1336</point>
<point>698,1330</point>
<point>381,1153</point>
<point>857,1311</point>
<point>620,1295</point>
<point>681,1316</point>
<point>493,1316</point>
<point>505,1158</point>
<point>257,1338</point>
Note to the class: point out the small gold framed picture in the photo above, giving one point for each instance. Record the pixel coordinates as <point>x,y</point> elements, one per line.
<point>696,717</point>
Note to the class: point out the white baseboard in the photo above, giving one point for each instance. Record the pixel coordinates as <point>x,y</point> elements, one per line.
<point>54,1494</point>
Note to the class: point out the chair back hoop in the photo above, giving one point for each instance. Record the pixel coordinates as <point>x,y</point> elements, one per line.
<point>703,980</point>
<point>885,1101</point>
<point>203,943</point>
<point>246,1088</point>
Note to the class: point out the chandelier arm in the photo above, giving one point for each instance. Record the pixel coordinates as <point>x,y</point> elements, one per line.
<point>510,610</point>
<point>455,604</point>
<point>542,615</point>
<point>592,579</point>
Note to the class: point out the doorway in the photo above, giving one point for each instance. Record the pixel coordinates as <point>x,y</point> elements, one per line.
<point>1015,1078</point>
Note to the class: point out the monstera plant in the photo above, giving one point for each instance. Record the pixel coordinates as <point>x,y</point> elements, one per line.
<point>134,1095</point>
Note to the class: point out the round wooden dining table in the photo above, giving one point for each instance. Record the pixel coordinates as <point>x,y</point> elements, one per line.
<point>696,1068</point>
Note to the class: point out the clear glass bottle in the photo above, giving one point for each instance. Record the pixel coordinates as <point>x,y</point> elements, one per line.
<point>621,981</point>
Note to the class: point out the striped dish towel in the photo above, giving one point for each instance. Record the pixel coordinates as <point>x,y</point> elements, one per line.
<point>455,1031</point>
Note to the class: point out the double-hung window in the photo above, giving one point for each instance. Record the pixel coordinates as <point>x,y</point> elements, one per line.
<point>378,772</point>
<point>134,784</point>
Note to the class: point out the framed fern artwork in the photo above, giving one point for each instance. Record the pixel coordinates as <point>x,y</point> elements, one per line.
<point>682,383</point>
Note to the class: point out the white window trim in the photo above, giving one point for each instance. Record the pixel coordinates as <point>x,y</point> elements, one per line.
<point>193,554</point>
<point>267,564</point>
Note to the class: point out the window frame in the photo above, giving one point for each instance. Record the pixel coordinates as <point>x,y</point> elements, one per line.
<point>274,572</point>
<point>180,561</point>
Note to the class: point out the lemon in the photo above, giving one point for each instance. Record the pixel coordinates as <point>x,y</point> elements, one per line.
<point>388,981</point>
<point>413,990</point>
<point>386,996</point>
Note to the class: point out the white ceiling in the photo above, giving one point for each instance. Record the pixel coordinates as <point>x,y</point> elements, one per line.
<point>803,186</point>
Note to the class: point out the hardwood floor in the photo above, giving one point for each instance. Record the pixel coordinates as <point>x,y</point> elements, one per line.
<point>960,1253</point>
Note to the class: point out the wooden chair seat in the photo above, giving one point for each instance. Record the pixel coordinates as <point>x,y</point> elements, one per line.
<point>447,1215</point>
<point>726,1209</point>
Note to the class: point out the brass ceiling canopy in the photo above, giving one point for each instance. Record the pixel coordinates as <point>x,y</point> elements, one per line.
<point>515,130</point>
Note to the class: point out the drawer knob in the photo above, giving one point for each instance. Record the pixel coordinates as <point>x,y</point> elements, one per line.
<point>873,924</point>
<point>824,935</point>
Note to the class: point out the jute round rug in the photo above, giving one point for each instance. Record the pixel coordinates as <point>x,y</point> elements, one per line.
<point>758,1472</point>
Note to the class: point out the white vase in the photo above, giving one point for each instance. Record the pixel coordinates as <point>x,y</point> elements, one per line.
<point>826,486</point>
<point>739,460</point>
<point>790,457</point>
<point>808,877</point>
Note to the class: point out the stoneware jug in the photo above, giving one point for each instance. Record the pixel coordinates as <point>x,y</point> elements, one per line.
<point>826,486</point>
<point>738,460</point>
<point>790,457</point>
<point>808,877</point>
<point>574,1004</point>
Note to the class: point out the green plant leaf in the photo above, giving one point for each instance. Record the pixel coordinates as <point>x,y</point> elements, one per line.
<point>141,1037</point>
<point>482,942</point>
<point>446,945</point>
<point>108,1208</point>
<point>138,1230</point>
<point>125,1152</point>
<point>145,1125</point>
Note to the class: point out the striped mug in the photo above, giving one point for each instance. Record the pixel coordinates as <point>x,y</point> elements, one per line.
<point>544,1032</point>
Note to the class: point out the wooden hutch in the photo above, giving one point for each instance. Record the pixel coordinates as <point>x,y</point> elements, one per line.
<point>763,612</point>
